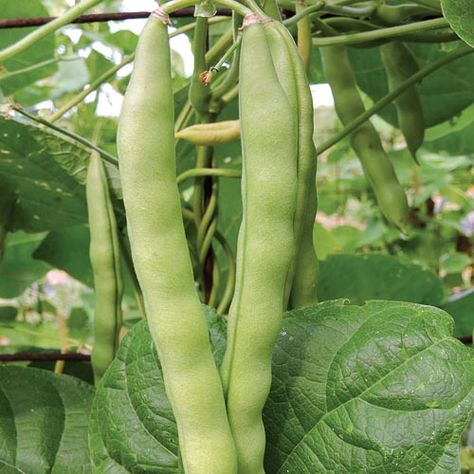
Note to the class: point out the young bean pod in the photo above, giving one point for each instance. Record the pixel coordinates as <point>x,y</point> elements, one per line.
<point>400,64</point>
<point>365,140</point>
<point>160,254</point>
<point>105,260</point>
<point>266,243</point>
<point>211,133</point>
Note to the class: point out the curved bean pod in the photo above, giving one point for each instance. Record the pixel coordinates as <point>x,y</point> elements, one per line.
<point>269,164</point>
<point>211,133</point>
<point>400,64</point>
<point>365,140</point>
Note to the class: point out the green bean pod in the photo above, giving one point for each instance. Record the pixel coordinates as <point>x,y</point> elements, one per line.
<point>400,14</point>
<point>104,254</point>
<point>211,133</point>
<point>400,64</point>
<point>303,276</point>
<point>199,94</point>
<point>160,254</point>
<point>266,243</point>
<point>365,140</point>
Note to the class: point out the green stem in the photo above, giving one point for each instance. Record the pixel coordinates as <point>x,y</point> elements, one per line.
<point>317,7</point>
<point>174,5</point>
<point>418,76</point>
<point>352,12</point>
<point>46,29</point>
<point>230,283</point>
<point>90,88</point>
<point>382,33</point>
<point>124,250</point>
<point>207,218</point>
<point>112,71</point>
<point>199,172</point>
<point>184,116</point>
<point>34,67</point>
<point>216,281</point>
<point>223,59</point>
<point>104,154</point>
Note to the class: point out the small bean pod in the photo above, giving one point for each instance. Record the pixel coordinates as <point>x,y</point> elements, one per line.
<point>400,64</point>
<point>212,133</point>
<point>161,258</point>
<point>365,140</point>
<point>104,254</point>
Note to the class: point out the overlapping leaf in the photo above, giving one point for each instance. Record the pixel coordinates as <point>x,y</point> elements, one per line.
<point>381,387</point>
<point>43,422</point>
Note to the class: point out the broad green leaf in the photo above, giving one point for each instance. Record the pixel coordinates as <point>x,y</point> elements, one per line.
<point>40,52</point>
<point>38,181</point>
<point>455,136</point>
<point>44,171</point>
<point>18,269</point>
<point>461,308</point>
<point>377,276</point>
<point>460,14</point>
<point>44,420</point>
<point>381,387</point>
<point>56,251</point>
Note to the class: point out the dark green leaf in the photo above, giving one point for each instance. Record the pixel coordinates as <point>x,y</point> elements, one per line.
<point>44,420</point>
<point>377,276</point>
<point>376,388</point>
<point>461,308</point>
<point>18,270</point>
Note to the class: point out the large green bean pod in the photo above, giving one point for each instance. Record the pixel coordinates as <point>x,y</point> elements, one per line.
<point>104,253</point>
<point>161,258</point>
<point>266,243</point>
<point>400,65</point>
<point>291,72</point>
<point>365,140</point>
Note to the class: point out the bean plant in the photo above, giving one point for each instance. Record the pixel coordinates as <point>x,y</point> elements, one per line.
<point>246,354</point>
